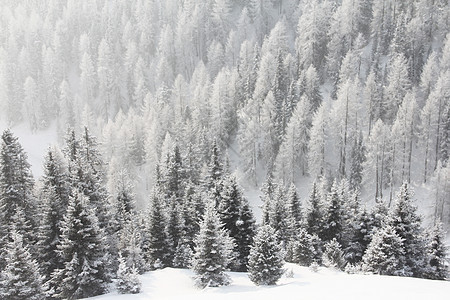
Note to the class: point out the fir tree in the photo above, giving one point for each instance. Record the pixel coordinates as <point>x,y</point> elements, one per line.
<point>293,211</point>
<point>16,192</point>
<point>130,245</point>
<point>333,216</point>
<point>436,250</point>
<point>278,214</point>
<point>213,251</point>
<point>385,253</point>
<point>127,278</point>
<point>313,212</point>
<point>54,200</point>
<point>265,264</point>
<point>268,189</point>
<point>83,252</point>
<point>16,180</point>
<point>156,240</point>
<point>175,175</point>
<point>358,237</point>
<point>235,214</point>
<point>301,248</point>
<point>247,231</point>
<point>407,224</point>
<point>20,279</point>
<point>333,256</point>
<point>49,234</point>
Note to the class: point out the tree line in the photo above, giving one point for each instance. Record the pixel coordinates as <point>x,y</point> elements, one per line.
<point>67,237</point>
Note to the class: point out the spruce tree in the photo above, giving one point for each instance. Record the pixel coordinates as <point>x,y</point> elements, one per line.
<point>236,215</point>
<point>268,189</point>
<point>436,254</point>
<point>130,245</point>
<point>294,211</point>
<point>16,186</point>
<point>313,212</point>
<point>278,214</point>
<point>54,200</point>
<point>333,216</point>
<point>301,248</point>
<point>156,241</point>
<point>385,253</point>
<point>127,278</point>
<point>213,251</point>
<point>48,235</point>
<point>358,236</point>
<point>175,175</point>
<point>215,168</point>
<point>333,256</point>
<point>83,252</point>
<point>265,263</point>
<point>20,279</point>
<point>406,222</point>
<point>247,232</point>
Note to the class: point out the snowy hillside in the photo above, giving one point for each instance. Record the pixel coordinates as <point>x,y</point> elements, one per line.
<point>171,284</point>
<point>161,140</point>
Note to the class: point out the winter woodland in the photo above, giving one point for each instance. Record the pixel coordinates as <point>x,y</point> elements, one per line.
<point>222,135</point>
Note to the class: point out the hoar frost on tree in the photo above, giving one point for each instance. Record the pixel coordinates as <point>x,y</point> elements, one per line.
<point>213,251</point>
<point>265,263</point>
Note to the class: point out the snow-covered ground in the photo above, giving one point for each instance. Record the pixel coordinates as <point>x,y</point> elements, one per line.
<point>304,285</point>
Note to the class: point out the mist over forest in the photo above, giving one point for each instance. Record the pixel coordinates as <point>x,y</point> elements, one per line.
<point>321,122</point>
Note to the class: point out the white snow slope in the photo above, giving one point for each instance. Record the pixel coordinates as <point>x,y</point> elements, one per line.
<point>304,285</point>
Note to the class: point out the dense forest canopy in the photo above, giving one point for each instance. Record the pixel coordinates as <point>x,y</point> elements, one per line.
<point>354,89</point>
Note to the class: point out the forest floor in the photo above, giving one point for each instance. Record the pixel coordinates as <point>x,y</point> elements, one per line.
<point>304,284</point>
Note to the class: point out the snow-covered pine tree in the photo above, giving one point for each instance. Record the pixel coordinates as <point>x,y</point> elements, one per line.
<point>267,189</point>
<point>122,201</point>
<point>247,232</point>
<point>314,212</point>
<point>406,222</point>
<point>20,279</point>
<point>278,214</point>
<point>48,235</point>
<point>333,256</point>
<point>54,196</point>
<point>385,253</point>
<point>294,211</point>
<point>130,244</point>
<point>265,264</point>
<point>213,250</point>
<point>174,175</point>
<point>16,180</point>
<point>378,216</point>
<point>437,266</point>
<point>237,219</point>
<point>156,240</point>
<point>83,251</point>
<point>301,248</point>
<point>358,236</point>
<point>215,170</point>
<point>16,190</point>
<point>333,215</point>
<point>127,278</point>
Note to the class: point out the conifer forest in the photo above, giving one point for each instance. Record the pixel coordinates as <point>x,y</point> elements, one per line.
<point>222,137</point>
